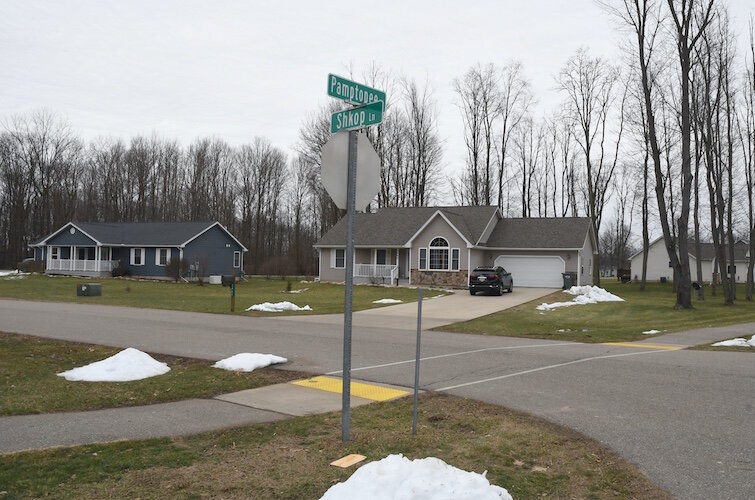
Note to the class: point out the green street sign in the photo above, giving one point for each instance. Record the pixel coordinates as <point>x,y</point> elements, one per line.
<point>353,92</point>
<point>354,118</point>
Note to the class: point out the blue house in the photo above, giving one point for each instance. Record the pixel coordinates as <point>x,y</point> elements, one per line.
<point>143,249</point>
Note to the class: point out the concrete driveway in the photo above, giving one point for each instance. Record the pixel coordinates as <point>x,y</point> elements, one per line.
<point>437,311</point>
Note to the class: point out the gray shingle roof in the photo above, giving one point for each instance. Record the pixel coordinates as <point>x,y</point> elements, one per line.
<point>707,251</point>
<point>566,232</point>
<point>143,233</point>
<point>393,227</point>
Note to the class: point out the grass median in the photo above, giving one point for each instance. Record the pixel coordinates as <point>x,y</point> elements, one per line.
<point>652,309</point>
<point>28,367</point>
<point>323,298</point>
<point>289,459</point>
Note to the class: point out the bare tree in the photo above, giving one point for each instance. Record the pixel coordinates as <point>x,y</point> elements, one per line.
<point>746,126</point>
<point>589,84</point>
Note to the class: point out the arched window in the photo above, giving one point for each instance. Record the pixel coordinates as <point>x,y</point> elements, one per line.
<point>439,254</point>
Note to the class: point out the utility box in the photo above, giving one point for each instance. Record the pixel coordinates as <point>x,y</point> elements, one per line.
<point>226,280</point>
<point>89,289</point>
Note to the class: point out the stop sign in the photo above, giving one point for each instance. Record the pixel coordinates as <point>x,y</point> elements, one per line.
<point>335,158</point>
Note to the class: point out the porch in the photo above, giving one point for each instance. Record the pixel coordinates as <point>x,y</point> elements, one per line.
<point>377,273</point>
<point>80,260</point>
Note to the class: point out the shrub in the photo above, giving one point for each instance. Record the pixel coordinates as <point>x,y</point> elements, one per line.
<point>176,269</point>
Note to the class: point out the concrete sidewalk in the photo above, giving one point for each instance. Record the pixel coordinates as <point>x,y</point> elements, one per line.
<point>181,418</point>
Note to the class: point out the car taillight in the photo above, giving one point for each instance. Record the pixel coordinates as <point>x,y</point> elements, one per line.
<point>495,277</point>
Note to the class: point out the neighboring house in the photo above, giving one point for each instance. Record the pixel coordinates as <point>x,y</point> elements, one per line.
<point>144,249</point>
<point>441,245</point>
<point>659,265</point>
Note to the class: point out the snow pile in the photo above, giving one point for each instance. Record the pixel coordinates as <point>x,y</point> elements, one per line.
<point>651,332</point>
<point>248,361</point>
<point>129,364</point>
<point>278,307</point>
<point>387,301</point>
<point>396,476</point>
<point>583,295</point>
<point>13,275</point>
<point>738,342</point>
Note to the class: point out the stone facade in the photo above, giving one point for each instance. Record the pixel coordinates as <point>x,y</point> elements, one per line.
<point>449,279</point>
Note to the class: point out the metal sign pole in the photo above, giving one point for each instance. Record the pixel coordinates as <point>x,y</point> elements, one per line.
<point>348,295</point>
<point>416,361</point>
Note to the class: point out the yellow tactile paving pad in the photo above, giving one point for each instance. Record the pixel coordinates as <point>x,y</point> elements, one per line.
<point>664,347</point>
<point>358,389</point>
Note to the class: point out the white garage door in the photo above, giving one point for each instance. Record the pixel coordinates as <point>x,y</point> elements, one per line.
<point>544,272</point>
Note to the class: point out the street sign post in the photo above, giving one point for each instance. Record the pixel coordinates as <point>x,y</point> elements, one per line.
<point>355,118</point>
<point>369,113</point>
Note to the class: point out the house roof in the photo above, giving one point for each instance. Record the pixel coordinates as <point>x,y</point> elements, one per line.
<point>394,227</point>
<point>707,250</point>
<point>564,232</point>
<point>142,233</point>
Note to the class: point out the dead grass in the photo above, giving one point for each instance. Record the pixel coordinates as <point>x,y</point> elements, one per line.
<point>290,459</point>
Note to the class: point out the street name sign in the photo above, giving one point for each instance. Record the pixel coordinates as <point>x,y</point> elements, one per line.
<point>355,118</point>
<point>353,92</point>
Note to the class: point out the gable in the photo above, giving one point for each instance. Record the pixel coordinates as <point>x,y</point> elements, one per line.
<point>69,235</point>
<point>438,227</point>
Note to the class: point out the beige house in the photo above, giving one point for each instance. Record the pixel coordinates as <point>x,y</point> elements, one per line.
<point>441,245</point>
<point>659,265</point>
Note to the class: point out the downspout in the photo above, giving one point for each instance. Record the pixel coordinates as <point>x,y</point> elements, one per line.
<point>469,263</point>
<point>409,267</point>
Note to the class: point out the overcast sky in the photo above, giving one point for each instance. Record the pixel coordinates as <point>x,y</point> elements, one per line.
<point>240,69</point>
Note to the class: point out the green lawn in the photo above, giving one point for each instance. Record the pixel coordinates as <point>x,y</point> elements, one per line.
<point>323,298</point>
<point>29,384</point>
<point>652,309</point>
<point>290,459</point>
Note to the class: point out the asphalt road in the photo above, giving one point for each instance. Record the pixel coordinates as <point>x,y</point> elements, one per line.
<point>684,417</point>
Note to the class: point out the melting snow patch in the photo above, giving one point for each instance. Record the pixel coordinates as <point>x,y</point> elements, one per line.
<point>396,476</point>
<point>387,301</point>
<point>278,307</point>
<point>583,295</point>
<point>248,361</point>
<point>129,364</point>
<point>651,332</point>
<point>13,275</point>
<point>738,342</point>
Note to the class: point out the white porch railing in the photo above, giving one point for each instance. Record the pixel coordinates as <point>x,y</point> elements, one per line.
<point>81,265</point>
<point>376,271</point>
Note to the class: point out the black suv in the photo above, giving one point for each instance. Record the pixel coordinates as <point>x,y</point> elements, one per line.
<point>490,279</point>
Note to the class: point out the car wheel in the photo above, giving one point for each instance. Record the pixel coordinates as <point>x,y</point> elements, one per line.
<point>500,290</point>
<point>511,286</point>
<point>471,292</point>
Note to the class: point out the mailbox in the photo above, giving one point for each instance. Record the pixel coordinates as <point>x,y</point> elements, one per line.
<point>226,280</point>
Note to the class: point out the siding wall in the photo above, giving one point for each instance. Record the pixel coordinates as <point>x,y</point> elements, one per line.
<point>65,238</point>
<point>214,251</point>
<point>587,262</point>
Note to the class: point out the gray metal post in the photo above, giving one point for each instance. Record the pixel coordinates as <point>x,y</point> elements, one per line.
<point>416,361</point>
<point>348,294</point>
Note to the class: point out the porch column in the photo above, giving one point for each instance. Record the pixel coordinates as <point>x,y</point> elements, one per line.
<point>97,257</point>
<point>579,269</point>
<point>72,258</point>
<point>47,257</point>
